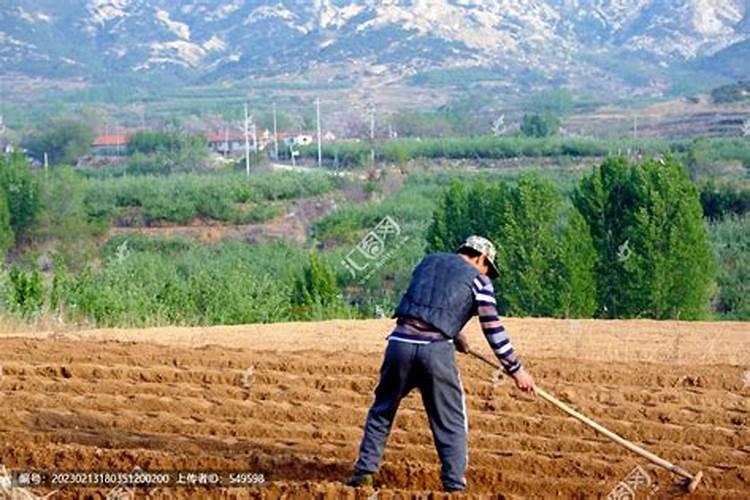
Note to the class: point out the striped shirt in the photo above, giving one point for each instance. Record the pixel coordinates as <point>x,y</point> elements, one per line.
<point>489,319</point>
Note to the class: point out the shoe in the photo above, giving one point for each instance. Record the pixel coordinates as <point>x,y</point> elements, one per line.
<point>360,479</point>
<point>454,489</point>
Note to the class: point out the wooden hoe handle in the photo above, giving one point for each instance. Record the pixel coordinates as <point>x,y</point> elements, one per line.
<point>600,428</point>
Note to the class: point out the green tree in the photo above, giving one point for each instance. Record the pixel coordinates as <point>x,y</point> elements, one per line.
<point>545,253</point>
<point>450,224</point>
<point>64,142</point>
<point>63,219</point>
<point>538,125</point>
<point>21,192</point>
<point>6,232</point>
<point>654,255</point>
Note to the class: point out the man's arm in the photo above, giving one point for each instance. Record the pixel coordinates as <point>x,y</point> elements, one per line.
<point>494,332</point>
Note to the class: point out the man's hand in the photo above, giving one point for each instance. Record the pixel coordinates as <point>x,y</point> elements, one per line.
<point>462,345</point>
<point>524,381</point>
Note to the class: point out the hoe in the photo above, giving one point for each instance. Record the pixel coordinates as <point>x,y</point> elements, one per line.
<point>690,481</point>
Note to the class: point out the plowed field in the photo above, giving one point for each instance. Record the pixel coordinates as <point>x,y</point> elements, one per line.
<point>288,401</point>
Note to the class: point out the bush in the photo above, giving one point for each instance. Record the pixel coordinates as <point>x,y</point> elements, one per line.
<point>537,125</point>
<point>718,201</point>
<point>180,198</point>
<point>26,292</point>
<point>316,294</point>
<point>229,284</point>
<point>731,239</point>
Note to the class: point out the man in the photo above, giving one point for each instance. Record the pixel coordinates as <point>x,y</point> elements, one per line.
<point>446,290</point>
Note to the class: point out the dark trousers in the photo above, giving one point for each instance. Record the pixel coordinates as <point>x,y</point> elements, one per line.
<point>431,368</point>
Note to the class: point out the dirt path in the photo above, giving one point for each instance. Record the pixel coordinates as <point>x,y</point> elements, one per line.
<point>288,401</point>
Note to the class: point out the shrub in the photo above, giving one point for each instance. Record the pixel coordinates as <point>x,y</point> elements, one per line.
<point>731,239</point>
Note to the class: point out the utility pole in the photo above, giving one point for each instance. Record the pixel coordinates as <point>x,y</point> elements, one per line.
<point>371,109</point>
<point>255,139</point>
<point>247,143</point>
<point>275,136</point>
<point>635,127</point>
<point>320,150</point>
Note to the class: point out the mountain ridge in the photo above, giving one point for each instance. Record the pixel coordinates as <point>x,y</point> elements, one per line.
<point>561,41</point>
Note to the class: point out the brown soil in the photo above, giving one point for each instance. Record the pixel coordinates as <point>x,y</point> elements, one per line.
<point>290,226</point>
<point>288,400</point>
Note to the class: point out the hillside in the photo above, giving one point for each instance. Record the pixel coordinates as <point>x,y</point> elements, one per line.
<point>592,44</point>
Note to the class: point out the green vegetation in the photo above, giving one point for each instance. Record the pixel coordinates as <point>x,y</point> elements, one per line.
<point>653,253</point>
<point>733,92</point>
<point>721,199</point>
<point>731,240</point>
<point>540,125</point>
<point>225,285</point>
<point>163,153</point>
<point>621,240</point>
<point>21,193</point>
<point>633,244</point>
<point>63,220</point>
<point>316,295</point>
<point>354,154</point>
<point>181,198</point>
<point>64,142</point>
<point>545,254</point>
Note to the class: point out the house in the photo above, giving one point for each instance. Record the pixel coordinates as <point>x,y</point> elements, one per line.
<point>296,139</point>
<point>110,145</point>
<point>227,143</point>
<point>231,142</point>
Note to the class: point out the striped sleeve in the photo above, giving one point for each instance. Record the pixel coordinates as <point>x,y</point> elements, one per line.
<point>494,332</point>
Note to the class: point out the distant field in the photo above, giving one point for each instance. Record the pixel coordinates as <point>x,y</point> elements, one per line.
<point>288,400</point>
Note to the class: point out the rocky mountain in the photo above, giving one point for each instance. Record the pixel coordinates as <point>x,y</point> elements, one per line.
<point>629,43</point>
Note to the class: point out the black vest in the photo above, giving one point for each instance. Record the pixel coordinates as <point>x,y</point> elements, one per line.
<point>440,293</point>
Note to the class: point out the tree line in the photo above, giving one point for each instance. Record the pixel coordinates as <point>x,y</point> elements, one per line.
<point>630,242</point>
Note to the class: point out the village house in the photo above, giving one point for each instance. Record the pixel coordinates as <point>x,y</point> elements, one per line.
<point>226,143</point>
<point>110,145</point>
